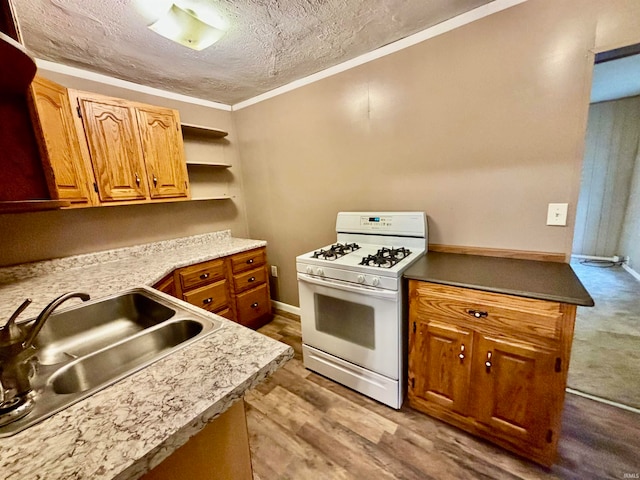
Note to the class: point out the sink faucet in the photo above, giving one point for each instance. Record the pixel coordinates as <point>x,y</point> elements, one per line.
<point>15,347</point>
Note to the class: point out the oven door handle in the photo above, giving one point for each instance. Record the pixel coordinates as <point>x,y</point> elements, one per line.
<point>348,287</point>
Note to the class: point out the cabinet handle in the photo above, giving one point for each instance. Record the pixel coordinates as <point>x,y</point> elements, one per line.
<point>488,363</point>
<point>477,313</point>
<point>254,305</point>
<point>155,180</point>
<point>250,261</point>
<point>461,354</point>
<point>207,301</point>
<point>252,279</point>
<point>137,178</point>
<point>204,276</point>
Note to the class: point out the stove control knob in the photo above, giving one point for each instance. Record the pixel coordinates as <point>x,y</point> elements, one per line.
<point>320,272</point>
<point>375,282</point>
<point>310,270</point>
<point>360,278</point>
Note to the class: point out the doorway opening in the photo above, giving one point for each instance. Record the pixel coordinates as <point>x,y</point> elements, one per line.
<point>606,247</point>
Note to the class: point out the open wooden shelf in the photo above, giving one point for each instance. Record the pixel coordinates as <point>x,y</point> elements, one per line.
<point>221,197</point>
<point>202,131</point>
<point>209,164</point>
<point>21,206</point>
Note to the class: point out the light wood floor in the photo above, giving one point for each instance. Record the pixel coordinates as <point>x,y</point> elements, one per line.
<point>304,426</point>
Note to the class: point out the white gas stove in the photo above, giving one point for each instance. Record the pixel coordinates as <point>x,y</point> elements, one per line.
<point>351,301</point>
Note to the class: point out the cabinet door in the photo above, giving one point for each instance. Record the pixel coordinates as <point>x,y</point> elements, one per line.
<point>163,152</point>
<point>58,141</point>
<point>440,364</point>
<point>515,388</point>
<point>111,130</point>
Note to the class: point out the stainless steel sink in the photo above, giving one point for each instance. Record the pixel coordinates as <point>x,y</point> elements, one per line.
<point>112,363</point>
<point>89,347</point>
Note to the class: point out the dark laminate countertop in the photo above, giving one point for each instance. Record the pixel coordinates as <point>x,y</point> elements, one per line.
<point>526,278</point>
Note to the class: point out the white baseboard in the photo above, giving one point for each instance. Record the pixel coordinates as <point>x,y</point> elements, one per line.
<point>285,307</point>
<point>602,400</point>
<point>633,273</point>
<point>592,257</point>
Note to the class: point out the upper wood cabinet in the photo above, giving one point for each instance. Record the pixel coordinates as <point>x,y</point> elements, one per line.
<point>58,142</point>
<point>135,149</point>
<point>163,151</point>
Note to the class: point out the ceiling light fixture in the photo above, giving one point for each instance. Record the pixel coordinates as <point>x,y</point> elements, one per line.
<point>184,26</point>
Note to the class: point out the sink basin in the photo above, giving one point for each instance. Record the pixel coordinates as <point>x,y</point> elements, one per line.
<point>100,367</point>
<point>86,348</point>
<point>82,331</point>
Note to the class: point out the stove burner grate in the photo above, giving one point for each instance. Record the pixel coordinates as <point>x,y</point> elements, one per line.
<point>336,251</point>
<point>385,257</point>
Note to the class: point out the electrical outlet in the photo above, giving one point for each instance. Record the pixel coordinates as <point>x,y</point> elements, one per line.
<point>274,271</point>
<point>557,214</point>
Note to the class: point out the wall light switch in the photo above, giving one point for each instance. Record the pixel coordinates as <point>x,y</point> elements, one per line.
<point>557,214</point>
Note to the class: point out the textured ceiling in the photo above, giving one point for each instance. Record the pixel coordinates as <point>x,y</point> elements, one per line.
<point>269,43</point>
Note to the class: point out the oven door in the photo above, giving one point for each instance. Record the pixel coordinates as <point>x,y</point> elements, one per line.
<point>355,323</point>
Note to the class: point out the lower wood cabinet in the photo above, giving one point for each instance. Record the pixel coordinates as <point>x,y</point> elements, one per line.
<point>220,451</point>
<point>494,365</point>
<point>235,287</point>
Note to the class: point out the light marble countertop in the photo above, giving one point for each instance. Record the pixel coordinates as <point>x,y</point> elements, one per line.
<point>128,428</point>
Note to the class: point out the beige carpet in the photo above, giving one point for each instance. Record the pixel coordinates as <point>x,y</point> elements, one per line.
<point>605,359</point>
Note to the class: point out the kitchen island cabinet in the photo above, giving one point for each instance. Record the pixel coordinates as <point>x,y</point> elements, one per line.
<point>133,426</point>
<point>492,363</point>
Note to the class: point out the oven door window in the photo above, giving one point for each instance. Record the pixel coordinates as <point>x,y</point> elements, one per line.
<point>349,321</point>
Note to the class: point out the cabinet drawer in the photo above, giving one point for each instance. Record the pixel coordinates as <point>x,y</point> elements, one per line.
<point>253,304</point>
<point>492,312</point>
<point>210,297</point>
<point>201,274</point>
<point>226,313</point>
<point>250,279</point>
<point>248,260</point>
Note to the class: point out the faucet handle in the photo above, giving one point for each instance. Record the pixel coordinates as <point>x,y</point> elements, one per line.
<point>11,333</point>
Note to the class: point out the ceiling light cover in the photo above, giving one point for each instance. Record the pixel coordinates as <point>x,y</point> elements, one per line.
<point>184,27</point>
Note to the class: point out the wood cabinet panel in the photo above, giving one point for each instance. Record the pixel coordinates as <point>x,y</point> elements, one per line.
<point>509,387</point>
<point>241,262</point>
<point>495,312</point>
<point>163,152</point>
<point>253,305</point>
<point>114,147</point>
<point>252,278</point>
<point>210,297</point>
<point>226,313</point>
<point>201,274</point>
<point>513,388</point>
<point>167,285</point>
<point>440,363</point>
<point>58,141</point>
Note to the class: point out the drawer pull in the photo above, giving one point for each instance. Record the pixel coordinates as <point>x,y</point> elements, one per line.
<point>252,279</point>
<point>461,354</point>
<point>488,363</point>
<point>250,261</point>
<point>137,179</point>
<point>204,276</point>
<point>207,301</point>
<point>254,305</point>
<point>477,313</point>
